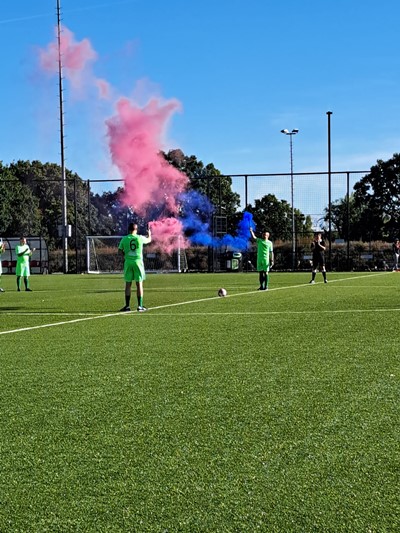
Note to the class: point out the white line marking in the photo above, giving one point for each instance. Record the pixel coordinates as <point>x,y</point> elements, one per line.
<point>48,313</point>
<point>283,312</point>
<point>64,322</point>
<point>61,323</point>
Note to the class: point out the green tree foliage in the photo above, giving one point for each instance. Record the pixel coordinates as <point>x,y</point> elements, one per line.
<point>113,216</point>
<point>31,201</point>
<point>19,208</point>
<point>376,196</point>
<point>207,180</point>
<point>345,218</point>
<point>275,216</point>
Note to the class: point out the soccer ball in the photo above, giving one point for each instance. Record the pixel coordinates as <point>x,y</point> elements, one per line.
<point>222,292</point>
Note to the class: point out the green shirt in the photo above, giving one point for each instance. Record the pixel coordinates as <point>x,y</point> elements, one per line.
<point>23,259</point>
<point>132,246</point>
<point>264,250</point>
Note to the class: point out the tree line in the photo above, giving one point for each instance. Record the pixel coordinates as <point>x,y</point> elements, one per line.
<point>31,192</point>
<point>371,211</point>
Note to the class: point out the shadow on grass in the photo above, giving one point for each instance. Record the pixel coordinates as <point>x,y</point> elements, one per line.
<point>103,291</point>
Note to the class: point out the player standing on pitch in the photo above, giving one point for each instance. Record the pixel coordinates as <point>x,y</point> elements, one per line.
<point>131,246</point>
<point>23,253</point>
<point>318,257</point>
<point>2,249</point>
<point>265,258</point>
<point>396,254</point>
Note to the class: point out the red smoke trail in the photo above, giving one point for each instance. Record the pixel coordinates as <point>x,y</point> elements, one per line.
<point>167,235</point>
<point>135,139</point>
<point>135,136</point>
<point>76,56</point>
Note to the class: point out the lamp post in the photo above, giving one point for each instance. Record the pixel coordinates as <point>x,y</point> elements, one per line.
<point>64,228</point>
<point>329,113</point>
<point>291,133</point>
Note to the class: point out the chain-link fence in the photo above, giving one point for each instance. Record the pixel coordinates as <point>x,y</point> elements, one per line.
<point>313,195</point>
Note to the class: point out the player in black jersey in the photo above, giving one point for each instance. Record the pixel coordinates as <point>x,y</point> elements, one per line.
<point>318,257</point>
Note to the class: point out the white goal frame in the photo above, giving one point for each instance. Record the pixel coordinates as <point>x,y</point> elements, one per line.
<point>102,257</point>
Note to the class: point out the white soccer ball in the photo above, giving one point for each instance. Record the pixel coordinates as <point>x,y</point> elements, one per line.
<point>222,292</point>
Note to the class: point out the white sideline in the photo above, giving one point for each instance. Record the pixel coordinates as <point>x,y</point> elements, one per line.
<point>76,320</point>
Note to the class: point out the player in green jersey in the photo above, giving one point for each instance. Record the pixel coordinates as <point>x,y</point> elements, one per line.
<point>131,247</point>
<point>23,253</point>
<point>265,258</point>
<point>2,250</point>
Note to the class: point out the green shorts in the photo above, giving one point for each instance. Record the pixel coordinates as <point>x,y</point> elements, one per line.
<point>262,265</point>
<point>22,270</point>
<point>134,272</point>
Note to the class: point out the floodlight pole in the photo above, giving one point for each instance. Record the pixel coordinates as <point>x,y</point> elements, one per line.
<point>64,217</point>
<point>329,113</point>
<point>290,134</point>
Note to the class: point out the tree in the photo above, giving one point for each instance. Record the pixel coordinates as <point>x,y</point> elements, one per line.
<point>44,180</point>
<point>19,208</point>
<point>31,195</point>
<point>377,196</point>
<point>275,216</point>
<point>345,218</point>
<point>207,180</point>
<point>113,215</point>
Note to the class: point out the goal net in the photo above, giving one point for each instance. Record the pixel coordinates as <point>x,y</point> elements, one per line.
<point>102,257</point>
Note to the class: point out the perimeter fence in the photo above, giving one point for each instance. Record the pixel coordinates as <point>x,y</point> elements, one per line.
<point>310,194</point>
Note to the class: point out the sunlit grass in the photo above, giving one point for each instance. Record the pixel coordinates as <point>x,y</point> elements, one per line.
<point>273,411</point>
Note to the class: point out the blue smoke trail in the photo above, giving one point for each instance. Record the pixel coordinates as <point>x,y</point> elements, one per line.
<point>240,241</point>
<point>196,214</point>
<point>196,217</point>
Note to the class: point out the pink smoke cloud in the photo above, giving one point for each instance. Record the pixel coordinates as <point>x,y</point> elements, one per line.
<point>75,57</point>
<point>135,139</point>
<point>167,235</point>
<point>104,89</point>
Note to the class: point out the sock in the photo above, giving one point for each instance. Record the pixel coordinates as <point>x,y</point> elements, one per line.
<point>18,282</point>
<point>26,283</point>
<point>313,276</point>
<point>140,301</point>
<point>260,277</point>
<point>324,274</point>
<point>127,300</point>
<point>266,281</point>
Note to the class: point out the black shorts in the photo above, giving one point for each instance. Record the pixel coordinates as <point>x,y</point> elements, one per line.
<point>318,262</point>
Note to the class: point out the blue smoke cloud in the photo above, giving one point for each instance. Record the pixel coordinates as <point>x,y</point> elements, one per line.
<point>197,215</point>
<point>240,241</point>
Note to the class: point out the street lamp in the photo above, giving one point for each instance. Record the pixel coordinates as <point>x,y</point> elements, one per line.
<point>329,113</point>
<point>291,133</point>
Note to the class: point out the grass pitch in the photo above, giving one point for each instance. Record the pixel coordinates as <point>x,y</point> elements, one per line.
<point>268,411</point>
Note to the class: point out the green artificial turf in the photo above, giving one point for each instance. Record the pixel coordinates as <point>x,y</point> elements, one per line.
<point>268,411</point>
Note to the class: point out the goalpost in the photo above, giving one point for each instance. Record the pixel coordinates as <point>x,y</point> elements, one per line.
<point>102,257</point>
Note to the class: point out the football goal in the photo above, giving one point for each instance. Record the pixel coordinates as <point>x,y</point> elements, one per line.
<point>102,257</point>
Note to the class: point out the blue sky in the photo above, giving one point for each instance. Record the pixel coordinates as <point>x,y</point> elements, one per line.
<point>242,69</point>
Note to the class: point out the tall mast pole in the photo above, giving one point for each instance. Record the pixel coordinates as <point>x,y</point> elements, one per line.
<point>329,113</point>
<point>64,223</point>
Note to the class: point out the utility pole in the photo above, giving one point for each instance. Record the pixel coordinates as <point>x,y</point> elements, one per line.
<point>329,113</point>
<point>291,133</point>
<point>64,222</point>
